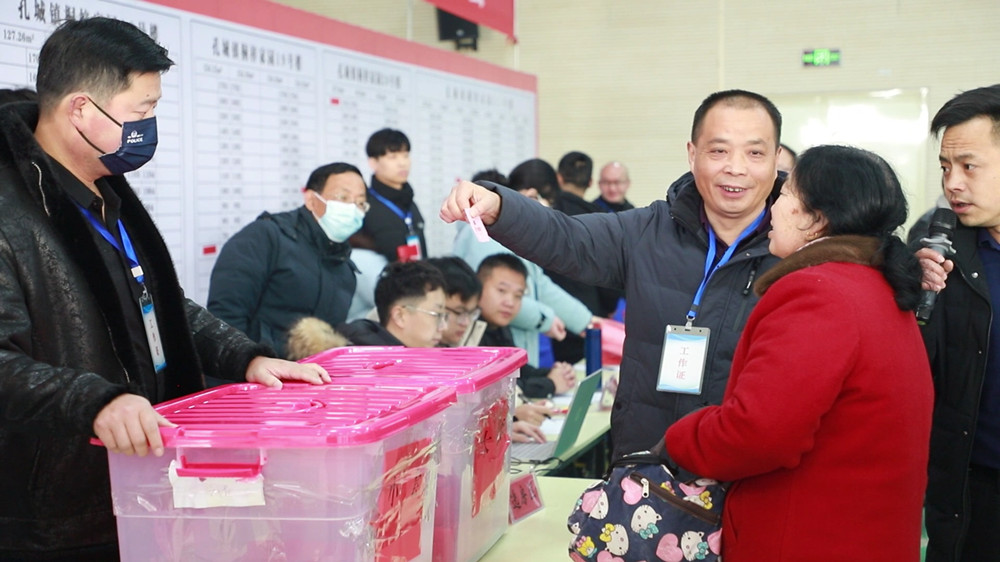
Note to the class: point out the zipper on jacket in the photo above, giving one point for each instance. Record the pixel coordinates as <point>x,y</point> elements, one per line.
<point>750,279</point>
<point>111,338</point>
<point>964,516</point>
<point>45,204</point>
<point>966,500</point>
<point>680,503</point>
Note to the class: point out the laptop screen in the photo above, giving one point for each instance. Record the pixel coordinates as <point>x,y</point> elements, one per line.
<point>577,412</point>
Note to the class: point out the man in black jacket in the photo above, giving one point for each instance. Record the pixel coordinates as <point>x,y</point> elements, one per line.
<point>93,323</point>
<point>286,266</point>
<point>576,171</point>
<point>394,222</point>
<point>963,340</point>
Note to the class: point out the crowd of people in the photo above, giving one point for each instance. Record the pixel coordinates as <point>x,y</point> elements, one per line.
<point>811,377</point>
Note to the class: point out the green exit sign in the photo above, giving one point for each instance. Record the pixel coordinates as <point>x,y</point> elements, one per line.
<point>821,57</point>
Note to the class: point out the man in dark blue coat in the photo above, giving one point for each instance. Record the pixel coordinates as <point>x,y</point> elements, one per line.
<point>286,266</point>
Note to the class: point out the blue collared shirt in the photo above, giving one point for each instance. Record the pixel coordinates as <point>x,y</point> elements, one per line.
<point>986,448</point>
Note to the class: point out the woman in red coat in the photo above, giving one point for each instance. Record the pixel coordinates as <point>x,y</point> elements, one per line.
<point>825,423</point>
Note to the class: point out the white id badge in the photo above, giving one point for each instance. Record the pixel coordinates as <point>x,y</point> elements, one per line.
<point>152,331</point>
<point>682,366</point>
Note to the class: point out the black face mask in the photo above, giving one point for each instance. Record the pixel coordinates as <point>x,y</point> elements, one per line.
<point>137,147</point>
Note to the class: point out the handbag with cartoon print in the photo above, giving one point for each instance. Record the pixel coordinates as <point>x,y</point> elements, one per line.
<point>640,511</point>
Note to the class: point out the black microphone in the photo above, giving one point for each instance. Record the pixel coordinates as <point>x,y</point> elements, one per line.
<point>938,239</point>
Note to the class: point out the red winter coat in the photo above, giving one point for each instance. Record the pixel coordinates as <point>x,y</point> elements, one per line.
<point>825,423</point>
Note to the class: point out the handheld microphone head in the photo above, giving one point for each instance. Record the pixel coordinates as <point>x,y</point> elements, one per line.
<point>943,223</point>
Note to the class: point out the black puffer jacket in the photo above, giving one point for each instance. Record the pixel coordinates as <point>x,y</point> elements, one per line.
<point>278,269</point>
<point>384,226</point>
<point>367,332</point>
<point>64,351</point>
<point>657,255</point>
<point>957,337</point>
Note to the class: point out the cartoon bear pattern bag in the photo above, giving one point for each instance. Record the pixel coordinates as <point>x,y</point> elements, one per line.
<point>642,513</point>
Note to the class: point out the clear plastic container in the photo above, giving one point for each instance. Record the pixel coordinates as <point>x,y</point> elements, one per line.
<point>337,472</point>
<point>473,486</point>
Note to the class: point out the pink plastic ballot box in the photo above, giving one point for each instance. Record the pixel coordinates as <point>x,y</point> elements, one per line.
<point>336,472</point>
<point>473,479</point>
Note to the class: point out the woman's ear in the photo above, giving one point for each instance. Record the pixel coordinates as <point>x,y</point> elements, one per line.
<point>821,225</point>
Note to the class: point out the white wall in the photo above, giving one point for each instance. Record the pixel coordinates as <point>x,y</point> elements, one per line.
<point>620,79</point>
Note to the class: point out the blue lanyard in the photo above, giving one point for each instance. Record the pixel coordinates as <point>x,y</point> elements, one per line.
<point>129,251</point>
<point>407,216</point>
<point>709,270</point>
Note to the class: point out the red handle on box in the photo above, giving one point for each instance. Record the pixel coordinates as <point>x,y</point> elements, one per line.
<point>218,470</point>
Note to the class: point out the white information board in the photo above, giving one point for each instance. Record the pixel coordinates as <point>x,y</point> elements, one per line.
<point>259,98</point>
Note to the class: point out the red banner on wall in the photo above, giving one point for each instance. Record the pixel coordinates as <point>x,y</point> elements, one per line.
<point>496,14</point>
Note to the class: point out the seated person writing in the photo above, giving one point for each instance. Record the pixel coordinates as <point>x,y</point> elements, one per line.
<point>410,301</point>
<point>503,277</point>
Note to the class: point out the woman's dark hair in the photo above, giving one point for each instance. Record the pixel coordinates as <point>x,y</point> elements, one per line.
<point>858,193</point>
<point>536,173</point>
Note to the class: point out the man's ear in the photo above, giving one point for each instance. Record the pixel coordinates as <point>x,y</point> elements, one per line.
<point>396,315</point>
<point>311,202</point>
<point>73,106</point>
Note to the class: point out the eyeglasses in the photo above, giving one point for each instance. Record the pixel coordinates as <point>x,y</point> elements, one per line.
<point>464,316</point>
<point>442,317</point>
<point>363,206</point>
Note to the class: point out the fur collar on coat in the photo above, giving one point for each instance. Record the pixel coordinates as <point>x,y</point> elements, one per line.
<point>862,250</point>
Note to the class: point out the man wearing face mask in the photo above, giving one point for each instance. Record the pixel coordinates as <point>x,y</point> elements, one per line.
<point>284,266</point>
<point>94,326</point>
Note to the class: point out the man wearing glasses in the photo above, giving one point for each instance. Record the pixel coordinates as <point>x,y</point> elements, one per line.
<point>284,266</point>
<point>462,289</point>
<point>410,301</point>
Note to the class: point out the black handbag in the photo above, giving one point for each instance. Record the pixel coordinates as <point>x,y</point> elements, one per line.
<point>640,511</point>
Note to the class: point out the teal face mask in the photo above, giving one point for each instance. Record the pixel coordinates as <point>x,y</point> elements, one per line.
<point>340,220</point>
